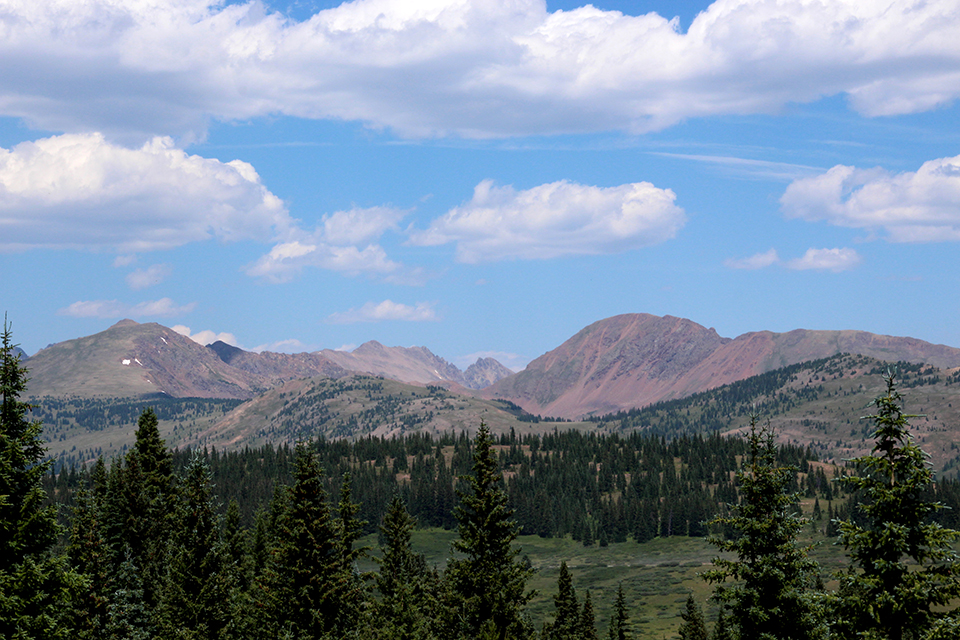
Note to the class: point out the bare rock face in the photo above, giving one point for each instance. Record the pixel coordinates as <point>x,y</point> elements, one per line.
<point>484,372</point>
<point>637,359</point>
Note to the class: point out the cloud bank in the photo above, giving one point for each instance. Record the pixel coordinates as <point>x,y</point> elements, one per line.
<point>913,206</point>
<point>556,219</point>
<point>473,68</point>
<point>81,191</point>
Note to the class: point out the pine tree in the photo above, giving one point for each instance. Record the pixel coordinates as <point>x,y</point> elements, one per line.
<point>127,616</point>
<point>491,581</point>
<point>619,628</point>
<point>566,624</point>
<point>588,621</point>
<point>721,629</point>
<point>90,556</point>
<point>406,602</point>
<point>301,586</point>
<point>694,627</point>
<point>197,585</point>
<point>35,587</point>
<point>904,566</point>
<point>349,530</point>
<point>773,598</point>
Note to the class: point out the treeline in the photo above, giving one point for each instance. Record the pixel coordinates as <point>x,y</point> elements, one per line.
<point>597,488</point>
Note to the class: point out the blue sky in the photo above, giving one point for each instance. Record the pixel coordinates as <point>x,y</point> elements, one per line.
<point>482,177</point>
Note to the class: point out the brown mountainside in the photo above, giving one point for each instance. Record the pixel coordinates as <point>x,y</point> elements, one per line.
<point>131,359</point>
<point>633,360</point>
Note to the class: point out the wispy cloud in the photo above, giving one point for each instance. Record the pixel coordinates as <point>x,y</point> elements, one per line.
<point>757,261</point>
<point>556,219</point>
<point>835,260</point>
<point>384,311</point>
<point>839,259</point>
<point>152,275</point>
<point>748,166</point>
<point>162,308</point>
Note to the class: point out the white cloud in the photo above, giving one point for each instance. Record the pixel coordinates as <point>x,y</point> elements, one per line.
<point>152,275</point>
<point>835,260</point>
<point>465,67</point>
<point>758,261</point>
<point>921,206</point>
<point>206,337</point>
<point>344,241</point>
<point>556,219</point>
<point>81,191</point>
<point>386,310</point>
<point>164,307</point>
<point>124,261</point>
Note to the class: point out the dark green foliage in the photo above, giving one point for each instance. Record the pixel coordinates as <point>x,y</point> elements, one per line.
<point>721,629</point>
<point>35,587</point>
<point>195,599</point>
<point>772,596</point>
<point>619,628</point>
<point>567,624</point>
<point>904,566</point>
<point>588,622</point>
<point>694,627</point>
<point>302,587</point>
<point>127,616</point>
<point>407,603</point>
<point>491,580</point>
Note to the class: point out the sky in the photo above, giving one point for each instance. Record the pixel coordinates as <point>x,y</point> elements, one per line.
<point>480,177</point>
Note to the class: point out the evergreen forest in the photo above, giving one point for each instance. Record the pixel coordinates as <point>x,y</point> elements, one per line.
<point>271,541</point>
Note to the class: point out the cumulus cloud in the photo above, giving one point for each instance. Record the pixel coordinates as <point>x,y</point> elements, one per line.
<point>206,337</point>
<point>464,67</point>
<point>162,308</point>
<point>758,261</point>
<point>344,241</point>
<point>81,191</point>
<point>556,219</point>
<point>152,275</point>
<point>913,206</point>
<point>386,310</point>
<point>835,260</point>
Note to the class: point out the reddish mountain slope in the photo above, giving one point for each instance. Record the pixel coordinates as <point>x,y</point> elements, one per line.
<point>636,359</point>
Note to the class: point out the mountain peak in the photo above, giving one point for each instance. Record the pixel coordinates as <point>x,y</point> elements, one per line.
<point>126,322</point>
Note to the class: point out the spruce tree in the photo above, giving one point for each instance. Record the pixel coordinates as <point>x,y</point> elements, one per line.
<point>588,621</point>
<point>36,588</point>
<point>197,585</point>
<point>693,627</point>
<point>904,568</point>
<point>619,628</point>
<point>491,581</point>
<point>407,602</point>
<point>773,595</point>
<point>301,588</point>
<point>566,624</point>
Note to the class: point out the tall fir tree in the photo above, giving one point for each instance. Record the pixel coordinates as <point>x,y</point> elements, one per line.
<point>407,599</point>
<point>588,619</point>
<point>904,568</point>
<point>693,627</point>
<point>566,624</point>
<point>491,581</point>
<point>773,596</point>
<point>36,588</point>
<point>619,628</point>
<point>195,598</point>
<point>302,584</point>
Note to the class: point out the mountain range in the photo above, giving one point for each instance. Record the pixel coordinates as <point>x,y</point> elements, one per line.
<point>614,364</point>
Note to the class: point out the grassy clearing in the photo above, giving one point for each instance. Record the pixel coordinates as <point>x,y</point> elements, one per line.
<point>657,576</point>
